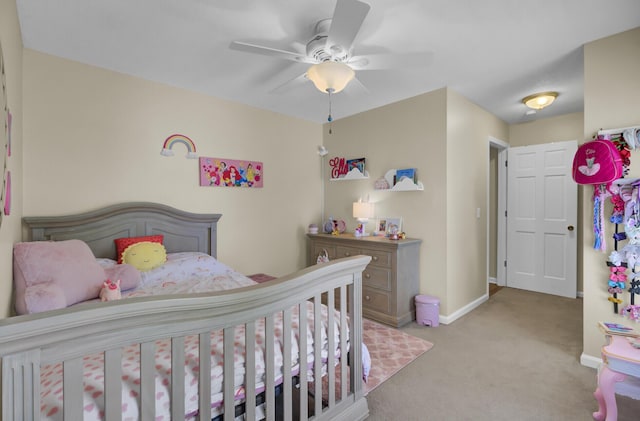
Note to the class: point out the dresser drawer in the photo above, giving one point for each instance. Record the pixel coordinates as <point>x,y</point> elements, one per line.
<point>376,300</point>
<point>378,258</point>
<point>342,251</point>
<point>379,278</point>
<point>319,248</point>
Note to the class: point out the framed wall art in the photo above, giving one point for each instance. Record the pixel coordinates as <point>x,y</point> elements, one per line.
<point>221,172</point>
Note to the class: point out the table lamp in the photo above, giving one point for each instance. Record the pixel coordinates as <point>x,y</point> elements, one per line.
<point>362,211</point>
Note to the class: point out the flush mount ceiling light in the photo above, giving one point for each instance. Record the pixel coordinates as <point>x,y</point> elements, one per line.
<point>330,76</point>
<point>540,100</point>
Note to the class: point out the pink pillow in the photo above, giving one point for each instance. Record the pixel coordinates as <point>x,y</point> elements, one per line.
<point>123,243</point>
<point>54,274</point>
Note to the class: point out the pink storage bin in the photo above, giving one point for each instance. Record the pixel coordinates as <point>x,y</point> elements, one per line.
<point>427,310</point>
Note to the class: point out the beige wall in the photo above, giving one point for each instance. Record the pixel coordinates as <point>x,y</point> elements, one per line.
<point>93,137</point>
<point>547,130</point>
<point>405,134</point>
<point>467,175</point>
<point>10,230</point>
<point>445,137</point>
<point>612,84</point>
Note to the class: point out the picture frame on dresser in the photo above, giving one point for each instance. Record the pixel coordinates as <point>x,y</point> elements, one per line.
<point>392,225</point>
<point>381,226</point>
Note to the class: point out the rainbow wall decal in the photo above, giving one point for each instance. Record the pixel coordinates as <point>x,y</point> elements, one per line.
<point>171,141</point>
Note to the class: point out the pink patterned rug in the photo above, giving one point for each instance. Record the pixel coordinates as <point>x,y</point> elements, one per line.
<point>390,350</point>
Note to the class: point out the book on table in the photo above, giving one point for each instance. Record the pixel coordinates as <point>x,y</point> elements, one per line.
<point>611,328</point>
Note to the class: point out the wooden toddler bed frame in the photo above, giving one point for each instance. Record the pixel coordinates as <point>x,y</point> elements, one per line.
<point>66,336</point>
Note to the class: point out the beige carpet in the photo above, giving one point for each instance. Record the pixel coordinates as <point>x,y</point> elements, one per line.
<point>390,350</point>
<point>515,357</point>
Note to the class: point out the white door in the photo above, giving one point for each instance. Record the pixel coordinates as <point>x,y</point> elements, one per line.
<point>541,219</point>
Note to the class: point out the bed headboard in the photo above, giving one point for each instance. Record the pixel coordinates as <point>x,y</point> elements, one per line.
<point>183,231</point>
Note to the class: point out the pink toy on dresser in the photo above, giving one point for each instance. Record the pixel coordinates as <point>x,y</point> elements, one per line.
<point>110,290</point>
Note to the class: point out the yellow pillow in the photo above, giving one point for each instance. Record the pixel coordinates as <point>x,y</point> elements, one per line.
<point>145,255</point>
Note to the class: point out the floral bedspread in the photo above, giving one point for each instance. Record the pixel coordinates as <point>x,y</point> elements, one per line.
<point>183,273</point>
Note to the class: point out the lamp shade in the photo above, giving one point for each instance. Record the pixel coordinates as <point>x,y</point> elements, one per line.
<point>330,76</point>
<point>363,210</point>
<point>540,100</point>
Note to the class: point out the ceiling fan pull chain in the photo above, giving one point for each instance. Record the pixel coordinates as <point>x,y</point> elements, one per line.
<point>330,119</point>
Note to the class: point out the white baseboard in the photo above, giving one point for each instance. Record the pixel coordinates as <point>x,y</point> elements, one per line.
<point>445,320</point>
<point>580,294</point>
<point>493,280</point>
<point>590,361</point>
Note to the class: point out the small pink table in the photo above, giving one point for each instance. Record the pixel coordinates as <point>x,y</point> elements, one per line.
<point>619,373</point>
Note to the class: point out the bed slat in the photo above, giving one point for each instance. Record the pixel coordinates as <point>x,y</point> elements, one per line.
<point>269,357</point>
<point>229,374</point>
<point>73,386</point>
<point>343,343</point>
<point>21,385</point>
<point>147,381</point>
<point>304,361</point>
<point>113,384</point>
<point>250,361</point>
<point>331,368</point>
<point>286,371</point>
<point>204,388</point>
<point>177,377</point>
<point>355,356</point>
<point>317,352</point>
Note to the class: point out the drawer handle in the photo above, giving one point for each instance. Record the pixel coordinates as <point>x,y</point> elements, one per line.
<point>367,275</point>
<point>367,298</point>
<point>375,258</point>
<point>347,254</point>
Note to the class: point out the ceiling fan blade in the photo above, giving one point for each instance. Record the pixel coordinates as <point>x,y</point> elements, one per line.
<point>390,61</point>
<point>285,87</point>
<point>271,52</point>
<point>345,24</point>
<point>356,87</point>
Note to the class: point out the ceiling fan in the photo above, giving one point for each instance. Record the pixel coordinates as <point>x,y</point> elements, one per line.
<point>330,50</point>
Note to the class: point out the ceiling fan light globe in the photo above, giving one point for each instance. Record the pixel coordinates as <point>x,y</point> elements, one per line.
<point>330,76</point>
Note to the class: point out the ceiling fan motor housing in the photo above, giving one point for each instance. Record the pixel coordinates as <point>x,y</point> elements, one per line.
<point>318,49</point>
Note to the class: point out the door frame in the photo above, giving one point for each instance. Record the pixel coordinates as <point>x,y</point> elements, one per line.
<point>501,225</point>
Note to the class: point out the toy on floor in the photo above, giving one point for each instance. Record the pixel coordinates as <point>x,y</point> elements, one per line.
<point>110,290</point>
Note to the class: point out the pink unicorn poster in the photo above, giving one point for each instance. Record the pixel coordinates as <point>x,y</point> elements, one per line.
<point>219,172</point>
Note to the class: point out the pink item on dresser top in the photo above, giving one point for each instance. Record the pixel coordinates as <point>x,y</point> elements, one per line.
<point>619,373</point>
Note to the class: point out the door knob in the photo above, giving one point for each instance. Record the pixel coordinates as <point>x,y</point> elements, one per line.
<point>570,227</point>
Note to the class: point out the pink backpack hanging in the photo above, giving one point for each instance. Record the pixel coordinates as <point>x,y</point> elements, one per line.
<point>597,162</point>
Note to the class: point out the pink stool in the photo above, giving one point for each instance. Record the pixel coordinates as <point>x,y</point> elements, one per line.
<point>619,373</point>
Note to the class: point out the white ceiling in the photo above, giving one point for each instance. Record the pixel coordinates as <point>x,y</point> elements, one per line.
<point>494,52</point>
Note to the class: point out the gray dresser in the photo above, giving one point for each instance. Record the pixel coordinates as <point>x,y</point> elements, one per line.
<point>389,283</point>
